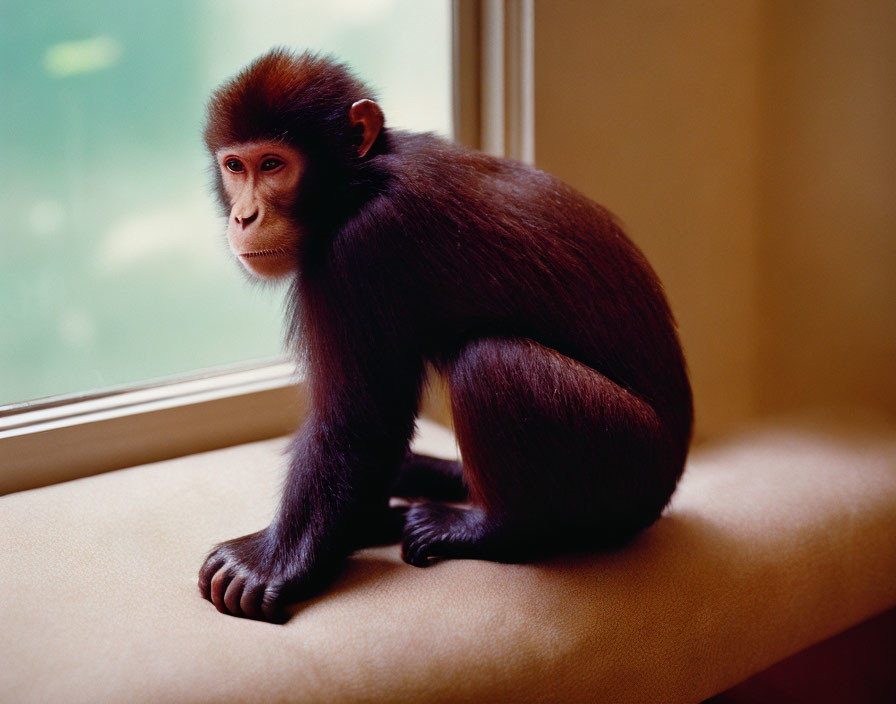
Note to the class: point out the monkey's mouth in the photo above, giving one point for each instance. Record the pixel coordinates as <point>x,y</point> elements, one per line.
<point>276,252</point>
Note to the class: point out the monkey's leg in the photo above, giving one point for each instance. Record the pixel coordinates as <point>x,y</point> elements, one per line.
<point>556,456</point>
<point>421,476</point>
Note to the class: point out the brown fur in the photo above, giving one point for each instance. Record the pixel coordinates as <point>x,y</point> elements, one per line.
<point>568,386</point>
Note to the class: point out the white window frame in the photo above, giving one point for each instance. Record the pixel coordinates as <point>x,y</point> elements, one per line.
<point>50,441</point>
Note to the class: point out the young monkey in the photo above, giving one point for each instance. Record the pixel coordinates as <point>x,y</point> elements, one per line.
<point>568,386</point>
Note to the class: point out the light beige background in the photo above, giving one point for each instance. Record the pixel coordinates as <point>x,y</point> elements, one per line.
<point>749,147</point>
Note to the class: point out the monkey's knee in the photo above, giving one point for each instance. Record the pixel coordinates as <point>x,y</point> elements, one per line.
<point>554,442</point>
<point>509,417</point>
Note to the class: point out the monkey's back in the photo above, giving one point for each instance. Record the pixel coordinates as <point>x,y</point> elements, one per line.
<point>494,260</point>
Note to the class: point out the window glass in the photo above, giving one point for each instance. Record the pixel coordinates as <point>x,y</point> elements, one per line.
<point>113,266</point>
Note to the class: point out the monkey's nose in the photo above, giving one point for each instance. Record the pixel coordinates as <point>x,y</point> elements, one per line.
<point>245,220</point>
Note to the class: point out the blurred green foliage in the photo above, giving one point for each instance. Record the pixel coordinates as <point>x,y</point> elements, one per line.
<point>113,264</point>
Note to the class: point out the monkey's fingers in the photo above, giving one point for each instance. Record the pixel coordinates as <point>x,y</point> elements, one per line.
<point>233,596</point>
<point>251,601</point>
<point>220,582</point>
<point>212,564</point>
<point>236,593</point>
<point>272,606</point>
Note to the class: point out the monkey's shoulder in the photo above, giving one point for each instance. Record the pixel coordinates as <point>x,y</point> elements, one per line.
<point>424,155</point>
<point>426,170</point>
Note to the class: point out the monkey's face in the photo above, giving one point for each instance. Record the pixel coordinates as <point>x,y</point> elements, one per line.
<point>260,181</point>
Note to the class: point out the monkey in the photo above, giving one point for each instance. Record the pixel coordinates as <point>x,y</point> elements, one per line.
<point>569,390</point>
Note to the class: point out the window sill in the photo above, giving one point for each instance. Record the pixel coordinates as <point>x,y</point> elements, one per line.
<point>775,540</point>
<point>52,442</point>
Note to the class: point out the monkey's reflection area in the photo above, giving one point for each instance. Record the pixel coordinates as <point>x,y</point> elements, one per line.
<point>568,387</point>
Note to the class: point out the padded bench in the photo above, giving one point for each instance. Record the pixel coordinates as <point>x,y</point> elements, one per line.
<point>776,539</point>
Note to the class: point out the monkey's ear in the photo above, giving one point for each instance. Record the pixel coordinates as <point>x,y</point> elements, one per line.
<point>367,114</point>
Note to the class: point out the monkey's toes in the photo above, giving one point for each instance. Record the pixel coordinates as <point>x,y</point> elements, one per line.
<point>428,528</point>
<point>238,588</point>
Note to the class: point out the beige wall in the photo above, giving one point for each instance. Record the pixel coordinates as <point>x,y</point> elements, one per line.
<point>828,205</point>
<point>748,146</point>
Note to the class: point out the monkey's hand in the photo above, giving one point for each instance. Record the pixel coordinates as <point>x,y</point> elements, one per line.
<point>257,575</point>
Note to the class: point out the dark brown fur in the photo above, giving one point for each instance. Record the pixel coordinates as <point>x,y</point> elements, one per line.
<point>568,386</point>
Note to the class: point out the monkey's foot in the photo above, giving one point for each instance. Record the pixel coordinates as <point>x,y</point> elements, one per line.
<point>252,578</point>
<point>436,530</point>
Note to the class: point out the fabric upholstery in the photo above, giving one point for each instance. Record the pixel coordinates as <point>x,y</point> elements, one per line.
<point>774,540</point>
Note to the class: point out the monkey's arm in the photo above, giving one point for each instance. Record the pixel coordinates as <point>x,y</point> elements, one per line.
<point>343,462</point>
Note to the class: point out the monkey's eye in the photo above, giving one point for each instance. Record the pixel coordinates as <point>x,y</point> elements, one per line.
<point>270,164</point>
<point>234,165</point>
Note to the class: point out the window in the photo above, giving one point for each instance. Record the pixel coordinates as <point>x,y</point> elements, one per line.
<point>114,268</point>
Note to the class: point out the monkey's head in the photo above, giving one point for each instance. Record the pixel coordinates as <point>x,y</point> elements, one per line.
<point>288,136</point>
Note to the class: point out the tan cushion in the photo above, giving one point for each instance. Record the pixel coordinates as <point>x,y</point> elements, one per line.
<point>774,540</point>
